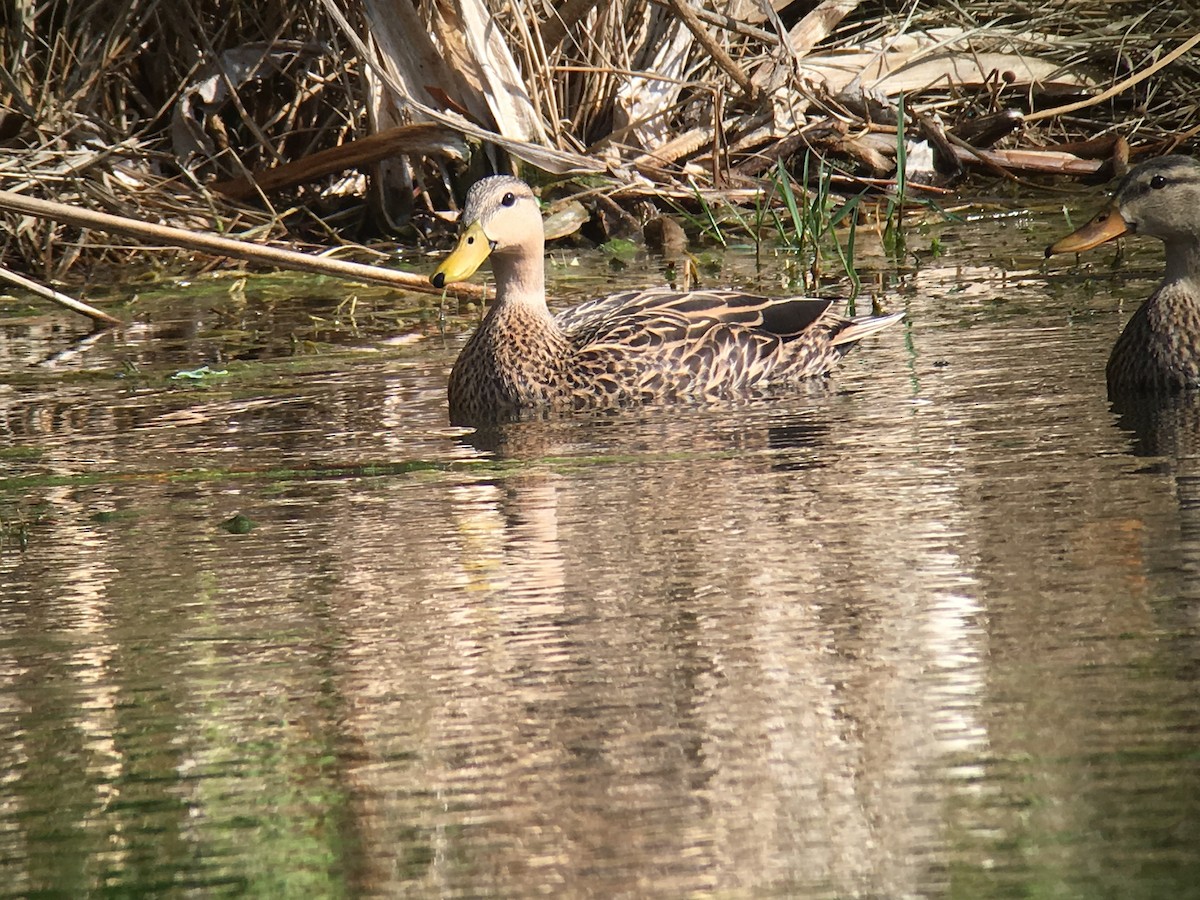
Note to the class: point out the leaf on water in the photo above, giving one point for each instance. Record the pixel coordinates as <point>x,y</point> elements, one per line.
<point>620,248</point>
<point>238,524</point>
<point>199,374</point>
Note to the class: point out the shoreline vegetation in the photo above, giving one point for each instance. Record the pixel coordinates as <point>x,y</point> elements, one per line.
<point>339,124</point>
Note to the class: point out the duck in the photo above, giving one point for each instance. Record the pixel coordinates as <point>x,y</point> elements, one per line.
<point>629,348</point>
<point>1158,352</point>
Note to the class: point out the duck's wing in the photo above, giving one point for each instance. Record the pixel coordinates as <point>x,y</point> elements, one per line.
<point>638,345</point>
<point>694,311</point>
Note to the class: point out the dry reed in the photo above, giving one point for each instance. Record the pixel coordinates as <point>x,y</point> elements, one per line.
<point>148,109</point>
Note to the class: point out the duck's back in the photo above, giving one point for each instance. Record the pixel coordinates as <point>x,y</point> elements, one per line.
<point>784,316</point>
<point>639,346</point>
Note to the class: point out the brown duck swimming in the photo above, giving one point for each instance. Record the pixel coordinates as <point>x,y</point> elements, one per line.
<point>1159,350</point>
<point>627,348</point>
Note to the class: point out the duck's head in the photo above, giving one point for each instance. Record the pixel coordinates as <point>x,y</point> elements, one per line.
<point>501,216</point>
<point>1159,198</point>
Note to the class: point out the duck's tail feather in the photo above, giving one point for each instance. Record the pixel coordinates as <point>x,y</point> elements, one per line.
<point>857,329</point>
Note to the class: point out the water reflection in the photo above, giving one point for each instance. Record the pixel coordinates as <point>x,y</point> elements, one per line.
<point>659,665</point>
<point>1164,425</point>
<point>1166,429</point>
<point>924,630</point>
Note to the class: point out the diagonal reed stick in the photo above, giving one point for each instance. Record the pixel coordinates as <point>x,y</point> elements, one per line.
<point>223,246</point>
<point>96,315</point>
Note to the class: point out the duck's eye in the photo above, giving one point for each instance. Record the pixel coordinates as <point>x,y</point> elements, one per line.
<point>1158,181</point>
<point>508,199</point>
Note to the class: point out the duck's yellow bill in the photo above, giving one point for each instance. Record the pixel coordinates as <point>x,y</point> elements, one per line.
<point>472,249</point>
<point>1106,225</point>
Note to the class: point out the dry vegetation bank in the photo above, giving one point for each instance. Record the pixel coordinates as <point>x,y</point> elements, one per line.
<point>341,120</point>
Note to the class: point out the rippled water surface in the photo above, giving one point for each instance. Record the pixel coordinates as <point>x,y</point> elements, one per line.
<point>928,630</point>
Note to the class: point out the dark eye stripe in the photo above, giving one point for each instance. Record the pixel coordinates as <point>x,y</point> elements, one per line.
<point>1135,189</point>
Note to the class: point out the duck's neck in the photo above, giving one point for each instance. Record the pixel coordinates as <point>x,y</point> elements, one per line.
<point>515,360</point>
<point>1183,268</point>
<point>520,285</point>
<point>1159,350</point>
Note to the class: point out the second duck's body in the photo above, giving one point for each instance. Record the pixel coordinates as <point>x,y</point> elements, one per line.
<point>630,347</point>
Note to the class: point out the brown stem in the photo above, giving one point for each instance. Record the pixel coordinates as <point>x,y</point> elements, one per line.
<point>222,246</point>
<point>715,50</point>
<point>54,296</point>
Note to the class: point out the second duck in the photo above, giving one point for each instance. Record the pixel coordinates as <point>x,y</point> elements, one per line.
<point>1159,350</point>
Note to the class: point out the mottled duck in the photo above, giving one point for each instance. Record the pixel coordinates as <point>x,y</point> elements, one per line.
<point>627,348</point>
<point>1159,350</point>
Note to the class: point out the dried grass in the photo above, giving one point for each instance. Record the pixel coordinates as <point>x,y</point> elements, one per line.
<point>139,107</point>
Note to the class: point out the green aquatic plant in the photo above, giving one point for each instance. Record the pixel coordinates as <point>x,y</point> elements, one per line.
<point>812,218</point>
<point>798,212</point>
<point>619,250</point>
<point>238,524</point>
<point>782,183</point>
<point>848,212</point>
<point>201,374</point>
<point>893,231</point>
<point>709,224</point>
<point>17,522</point>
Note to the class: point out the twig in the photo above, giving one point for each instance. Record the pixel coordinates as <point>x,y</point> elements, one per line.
<point>1180,138</point>
<point>1117,88</point>
<point>1044,162</point>
<point>729,23</point>
<point>422,138</point>
<point>715,50</point>
<point>222,246</point>
<point>54,296</point>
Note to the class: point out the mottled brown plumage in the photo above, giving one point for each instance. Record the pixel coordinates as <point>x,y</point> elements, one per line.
<point>1159,350</point>
<point>630,347</point>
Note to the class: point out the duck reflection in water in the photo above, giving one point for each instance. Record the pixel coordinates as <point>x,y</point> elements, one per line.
<point>792,434</point>
<point>647,637</point>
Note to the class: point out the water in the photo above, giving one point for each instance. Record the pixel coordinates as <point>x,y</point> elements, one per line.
<point>929,630</point>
